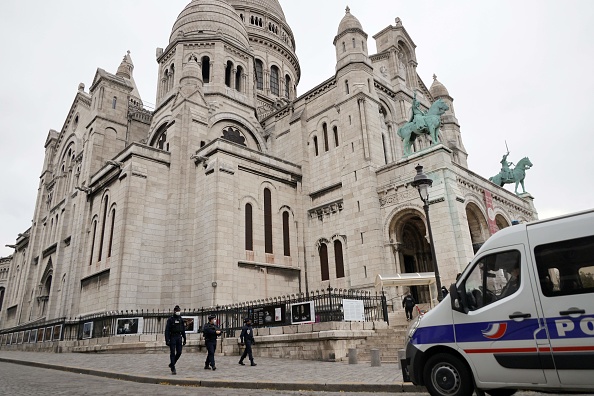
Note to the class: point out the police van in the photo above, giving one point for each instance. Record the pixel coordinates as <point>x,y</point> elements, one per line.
<point>521,316</point>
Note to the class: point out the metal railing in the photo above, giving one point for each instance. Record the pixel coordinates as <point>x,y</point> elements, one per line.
<point>269,312</point>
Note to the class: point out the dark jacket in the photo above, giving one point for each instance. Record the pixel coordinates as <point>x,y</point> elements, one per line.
<point>408,302</point>
<point>210,332</point>
<point>175,327</point>
<point>247,334</point>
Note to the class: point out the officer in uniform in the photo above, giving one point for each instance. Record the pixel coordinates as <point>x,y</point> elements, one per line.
<point>211,332</point>
<point>175,337</point>
<point>247,338</point>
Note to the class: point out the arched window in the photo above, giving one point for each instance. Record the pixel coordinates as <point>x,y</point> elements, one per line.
<point>238,75</point>
<point>103,228</point>
<point>113,213</point>
<point>249,230</point>
<point>315,140</point>
<point>114,102</point>
<point>335,129</point>
<point>346,84</point>
<point>205,69</point>
<point>324,262</point>
<point>1,297</point>
<point>274,81</point>
<point>286,238</point>
<point>228,71</point>
<point>343,47</point>
<point>93,241</point>
<point>354,45</point>
<point>325,128</point>
<point>338,259</point>
<point>287,86</point>
<point>259,75</point>
<point>267,221</point>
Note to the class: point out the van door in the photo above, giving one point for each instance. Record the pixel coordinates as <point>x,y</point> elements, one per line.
<point>500,327</point>
<point>564,257</point>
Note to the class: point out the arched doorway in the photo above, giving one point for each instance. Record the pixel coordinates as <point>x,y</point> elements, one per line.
<point>501,222</point>
<point>413,252</point>
<point>479,230</point>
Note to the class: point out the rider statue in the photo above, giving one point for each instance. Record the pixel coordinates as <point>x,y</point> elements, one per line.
<point>417,116</point>
<point>505,171</point>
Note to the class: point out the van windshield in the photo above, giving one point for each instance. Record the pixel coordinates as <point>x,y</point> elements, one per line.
<point>494,277</point>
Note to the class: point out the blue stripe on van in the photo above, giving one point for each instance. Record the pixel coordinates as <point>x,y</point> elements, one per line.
<point>582,327</point>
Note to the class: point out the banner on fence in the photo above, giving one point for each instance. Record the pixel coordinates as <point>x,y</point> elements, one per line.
<point>268,315</point>
<point>303,312</point>
<point>354,311</point>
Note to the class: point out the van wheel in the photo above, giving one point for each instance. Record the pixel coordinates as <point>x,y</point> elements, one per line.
<point>501,392</point>
<point>446,375</point>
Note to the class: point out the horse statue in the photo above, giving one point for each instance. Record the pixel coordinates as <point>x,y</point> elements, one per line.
<point>423,124</point>
<point>515,175</point>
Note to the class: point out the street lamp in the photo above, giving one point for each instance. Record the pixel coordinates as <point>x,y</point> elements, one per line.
<point>422,183</point>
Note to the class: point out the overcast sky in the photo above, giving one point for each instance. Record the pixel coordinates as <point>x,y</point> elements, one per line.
<point>519,71</point>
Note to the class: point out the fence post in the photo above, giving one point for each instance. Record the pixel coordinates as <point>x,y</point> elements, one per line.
<point>385,308</point>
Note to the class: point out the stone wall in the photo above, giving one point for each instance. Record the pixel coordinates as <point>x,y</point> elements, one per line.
<point>320,341</point>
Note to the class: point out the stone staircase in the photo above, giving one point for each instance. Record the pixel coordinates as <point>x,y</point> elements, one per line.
<point>389,341</point>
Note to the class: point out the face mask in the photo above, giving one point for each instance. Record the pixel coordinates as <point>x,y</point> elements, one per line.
<point>177,313</point>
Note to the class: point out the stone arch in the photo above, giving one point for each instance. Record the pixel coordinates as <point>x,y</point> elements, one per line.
<point>407,233</point>
<point>45,287</point>
<point>477,225</point>
<point>501,221</point>
<point>221,120</point>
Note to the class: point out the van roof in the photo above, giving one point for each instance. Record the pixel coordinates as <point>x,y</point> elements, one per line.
<point>509,235</point>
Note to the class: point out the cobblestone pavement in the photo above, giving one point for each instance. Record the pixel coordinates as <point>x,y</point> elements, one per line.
<point>19,380</point>
<point>292,374</point>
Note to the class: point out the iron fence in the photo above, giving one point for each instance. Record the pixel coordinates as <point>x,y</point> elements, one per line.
<point>326,306</point>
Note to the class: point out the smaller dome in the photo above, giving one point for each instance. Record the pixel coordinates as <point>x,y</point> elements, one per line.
<point>208,18</point>
<point>348,22</point>
<point>437,89</point>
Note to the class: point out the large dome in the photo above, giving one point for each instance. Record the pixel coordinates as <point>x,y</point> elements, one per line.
<point>207,18</point>
<point>271,6</point>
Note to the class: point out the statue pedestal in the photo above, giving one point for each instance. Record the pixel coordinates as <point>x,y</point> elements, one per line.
<point>530,199</point>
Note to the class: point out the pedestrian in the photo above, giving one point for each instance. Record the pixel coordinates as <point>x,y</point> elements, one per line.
<point>211,332</point>
<point>408,302</point>
<point>175,337</point>
<point>247,338</point>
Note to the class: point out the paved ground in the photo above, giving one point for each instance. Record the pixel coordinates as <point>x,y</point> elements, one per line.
<point>20,380</point>
<point>27,373</point>
<point>279,374</point>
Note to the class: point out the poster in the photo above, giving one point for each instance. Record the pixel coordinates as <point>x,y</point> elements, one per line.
<point>129,326</point>
<point>191,324</point>
<point>303,313</point>
<point>268,315</point>
<point>87,330</point>
<point>354,311</point>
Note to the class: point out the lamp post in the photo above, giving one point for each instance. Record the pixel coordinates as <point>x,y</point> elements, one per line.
<point>422,183</point>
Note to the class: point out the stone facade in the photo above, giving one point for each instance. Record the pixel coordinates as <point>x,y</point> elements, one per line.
<point>234,188</point>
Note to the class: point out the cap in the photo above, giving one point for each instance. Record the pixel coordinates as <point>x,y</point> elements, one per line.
<point>211,316</point>
<point>177,308</point>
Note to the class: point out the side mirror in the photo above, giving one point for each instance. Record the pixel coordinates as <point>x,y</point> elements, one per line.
<point>456,300</point>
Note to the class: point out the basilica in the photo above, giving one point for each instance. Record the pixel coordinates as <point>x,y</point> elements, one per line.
<point>236,187</point>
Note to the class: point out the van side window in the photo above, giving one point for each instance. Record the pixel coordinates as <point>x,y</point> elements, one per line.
<point>493,278</point>
<point>567,267</point>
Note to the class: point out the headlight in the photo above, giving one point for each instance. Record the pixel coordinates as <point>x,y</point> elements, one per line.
<point>413,327</point>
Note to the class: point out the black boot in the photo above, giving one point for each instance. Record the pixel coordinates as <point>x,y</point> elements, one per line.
<point>253,364</point>
<point>207,367</point>
<point>242,363</point>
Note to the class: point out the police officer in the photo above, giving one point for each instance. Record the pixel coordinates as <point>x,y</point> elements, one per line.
<point>408,303</point>
<point>211,332</point>
<point>175,337</point>
<point>247,338</point>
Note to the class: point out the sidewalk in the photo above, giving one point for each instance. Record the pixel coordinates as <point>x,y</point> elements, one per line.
<point>270,373</point>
